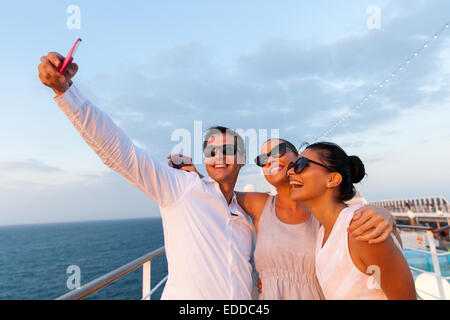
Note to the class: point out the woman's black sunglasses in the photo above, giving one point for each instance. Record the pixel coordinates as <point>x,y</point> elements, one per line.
<point>277,152</point>
<point>300,164</point>
<point>227,150</point>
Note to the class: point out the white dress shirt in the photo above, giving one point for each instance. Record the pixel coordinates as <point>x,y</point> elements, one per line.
<point>208,249</point>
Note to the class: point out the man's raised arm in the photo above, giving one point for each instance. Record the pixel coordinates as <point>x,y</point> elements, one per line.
<point>163,184</point>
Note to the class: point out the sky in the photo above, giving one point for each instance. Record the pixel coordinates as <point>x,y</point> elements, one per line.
<point>158,67</point>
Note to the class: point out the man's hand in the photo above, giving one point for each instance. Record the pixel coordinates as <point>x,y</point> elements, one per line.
<point>178,161</point>
<point>371,224</point>
<point>50,76</point>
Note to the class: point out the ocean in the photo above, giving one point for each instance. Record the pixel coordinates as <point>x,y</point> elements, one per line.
<point>34,258</point>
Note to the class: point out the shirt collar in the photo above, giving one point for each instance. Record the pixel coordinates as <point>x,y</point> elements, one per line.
<point>208,179</point>
<point>234,206</point>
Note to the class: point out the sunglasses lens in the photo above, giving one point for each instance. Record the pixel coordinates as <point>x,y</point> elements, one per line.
<point>279,150</point>
<point>300,164</point>
<point>229,149</point>
<point>262,160</point>
<point>290,166</point>
<point>210,152</point>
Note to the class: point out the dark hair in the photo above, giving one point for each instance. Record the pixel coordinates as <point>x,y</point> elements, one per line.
<point>289,145</point>
<point>351,168</point>
<point>238,141</point>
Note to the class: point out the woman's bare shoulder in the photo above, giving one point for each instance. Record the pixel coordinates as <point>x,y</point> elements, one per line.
<point>364,254</point>
<point>252,202</point>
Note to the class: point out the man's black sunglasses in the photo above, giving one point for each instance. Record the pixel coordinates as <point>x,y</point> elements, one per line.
<point>227,150</point>
<point>300,164</point>
<point>276,152</point>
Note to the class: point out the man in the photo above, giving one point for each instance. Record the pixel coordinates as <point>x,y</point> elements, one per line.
<point>208,237</point>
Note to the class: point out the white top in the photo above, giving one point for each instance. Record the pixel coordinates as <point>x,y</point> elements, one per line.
<point>338,276</point>
<point>208,250</point>
<point>285,257</point>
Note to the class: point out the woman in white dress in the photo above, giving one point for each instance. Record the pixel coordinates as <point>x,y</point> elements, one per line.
<point>322,178</point>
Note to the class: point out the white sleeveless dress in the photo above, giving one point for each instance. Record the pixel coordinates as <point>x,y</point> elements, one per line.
<point>284,257</point>
<point>338,276</point>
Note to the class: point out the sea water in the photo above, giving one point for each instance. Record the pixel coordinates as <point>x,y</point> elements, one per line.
<point>34,258</point>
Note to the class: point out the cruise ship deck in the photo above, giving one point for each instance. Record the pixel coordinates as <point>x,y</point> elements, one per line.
<point>424,231</point>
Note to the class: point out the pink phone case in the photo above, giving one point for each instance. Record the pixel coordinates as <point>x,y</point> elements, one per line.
<point>68,60</point>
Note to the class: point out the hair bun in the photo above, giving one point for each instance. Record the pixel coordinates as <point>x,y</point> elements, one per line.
<point>357,169</point>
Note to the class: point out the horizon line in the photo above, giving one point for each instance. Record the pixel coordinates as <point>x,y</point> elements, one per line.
<point>79,221</point>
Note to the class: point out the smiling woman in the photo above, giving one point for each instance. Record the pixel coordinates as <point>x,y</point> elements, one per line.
<point>322,178</point>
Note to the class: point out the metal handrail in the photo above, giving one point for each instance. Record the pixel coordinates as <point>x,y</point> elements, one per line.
<point>408,227</point>
<point>428,272</point>
<point>427,209</point>
<point>423,228</point>
<point>433,252</point>
<point>96,284</point>
<point>445,228</point>
<point>427,293</point>
<point>155,288</point>
<point>425,251</point>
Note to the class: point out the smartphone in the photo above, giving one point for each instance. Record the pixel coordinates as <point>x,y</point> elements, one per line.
<point>68,60</point>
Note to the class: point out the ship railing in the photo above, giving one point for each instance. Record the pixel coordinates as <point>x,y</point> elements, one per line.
<point>434,257</point>
<point>145,262</point>
<point>442,209</point>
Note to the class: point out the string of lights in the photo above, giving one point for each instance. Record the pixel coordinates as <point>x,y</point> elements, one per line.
<point>401,68</point>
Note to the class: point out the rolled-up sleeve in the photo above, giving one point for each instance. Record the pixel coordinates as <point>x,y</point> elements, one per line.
<point>163,184</point>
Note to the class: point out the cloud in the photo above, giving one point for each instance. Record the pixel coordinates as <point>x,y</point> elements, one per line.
<point>33,165</point>
<point>103,197</point>
<point>296,86</point>
<point>105,175</point>
<point>300,88</point>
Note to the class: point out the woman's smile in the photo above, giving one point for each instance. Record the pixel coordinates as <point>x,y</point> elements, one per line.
<point>296,184</point>
<point>275,169</point>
